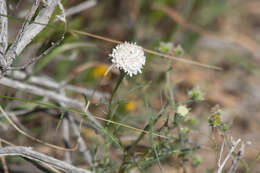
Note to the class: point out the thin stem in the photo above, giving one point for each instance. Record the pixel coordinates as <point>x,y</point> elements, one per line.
<point>110,115</point>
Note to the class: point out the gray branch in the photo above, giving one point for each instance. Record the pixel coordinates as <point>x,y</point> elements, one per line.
<point>26,34</point>
<point>238,157</point>
<point>32,30</point>
<point>33,155</point>
<point>234,146</point>
<point>4,28</point>
<point>50,83</point>
<point>26,23</point>
<point>48,94</point>
<point>66,138</point>
<point>82,146</point>
<point>39,91</point>
<point>80,7</point>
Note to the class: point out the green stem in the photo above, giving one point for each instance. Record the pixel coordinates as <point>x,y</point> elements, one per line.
<point>110,115</point>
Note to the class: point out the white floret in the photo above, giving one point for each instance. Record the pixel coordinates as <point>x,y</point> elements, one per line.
<point>128,57</point>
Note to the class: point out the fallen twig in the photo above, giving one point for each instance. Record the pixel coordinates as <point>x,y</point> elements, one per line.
<point>66,136</point>
<point>82,145</point>
<point>31,154</point>
<point>51,83</point>
<point>80,7</point>
<point>4,161</point>
<point>4,30</point>
<point>39,91</point>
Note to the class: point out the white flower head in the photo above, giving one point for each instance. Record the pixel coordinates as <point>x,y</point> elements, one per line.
<point>128,57</point>
<point>182,110</point>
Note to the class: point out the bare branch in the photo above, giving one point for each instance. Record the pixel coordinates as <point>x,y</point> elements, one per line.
<point>33,60</point>
<point>29,17</point>
<point>221,152</point>
<point>34,29</point>
<point>66,137</point>
<point>238,157</point>
<point>49,94</point>
<point>33,155</point>
<point>4,161</point>
<point>234,146</point>
<point>26,34</point>
<point>50,83</point>
<point>3,29</point>
<point>39,91</point>
<point>80,7</point>
<point>82,145</point>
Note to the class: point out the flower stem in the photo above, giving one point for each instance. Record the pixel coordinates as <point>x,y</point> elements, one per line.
<point>110,115</point>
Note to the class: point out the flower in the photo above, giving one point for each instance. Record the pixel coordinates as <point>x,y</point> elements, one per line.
<point>182,110</point>
<point>196,94</point>
<point>215,118</point>
<point>130,106</point>
<point>99,71</point>
<point>128,57</point>
<point>165,47</point>
<point>179,50</point>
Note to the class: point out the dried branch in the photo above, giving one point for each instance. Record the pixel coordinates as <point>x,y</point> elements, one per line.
<point>65,130</point>
<point>60,98</point>
<point>221,153</point>
<point>33,60</point>
<point>3,29</point>
<point>32,30</point>
<point>66,137</point>
<point>50,83</point>
<point>29,17</point>
<point>82,145</point>
<point>238,157</point>
<point>4,161</point>
<point>44,167</point>
<point>235,157</point>
<point>80,7</point>
<point>39,91</point>
<point>33,155</point>
<point>234,146</point>
<point>27,33</point>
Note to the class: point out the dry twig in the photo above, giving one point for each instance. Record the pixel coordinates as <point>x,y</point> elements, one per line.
<point>51,83</point>
<point>235,157</point>
<point>82,146</point>
<point>4,161</point>
<point>36,156</point>
<point>80,7</point>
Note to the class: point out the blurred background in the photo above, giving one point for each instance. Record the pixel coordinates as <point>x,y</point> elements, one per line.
<point>223,33</point>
